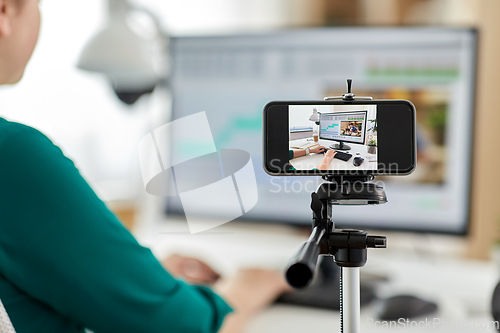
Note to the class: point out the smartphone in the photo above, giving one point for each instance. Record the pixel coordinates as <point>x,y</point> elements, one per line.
<point>339,137</point>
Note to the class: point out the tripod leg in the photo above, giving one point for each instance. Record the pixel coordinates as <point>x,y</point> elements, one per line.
<point>349,300</point>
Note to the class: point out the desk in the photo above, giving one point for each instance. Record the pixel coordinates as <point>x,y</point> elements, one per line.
<point>462,288</point>
<point>312,160</point>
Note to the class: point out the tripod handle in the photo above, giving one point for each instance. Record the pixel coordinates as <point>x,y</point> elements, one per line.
<point>300,271</point>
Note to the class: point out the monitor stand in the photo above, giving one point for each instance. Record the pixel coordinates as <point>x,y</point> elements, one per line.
<point>340,146</point>
<point>324,290</point>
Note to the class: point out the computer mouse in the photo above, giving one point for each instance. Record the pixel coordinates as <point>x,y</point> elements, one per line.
<point>358,160</point>
<point>405,306</point>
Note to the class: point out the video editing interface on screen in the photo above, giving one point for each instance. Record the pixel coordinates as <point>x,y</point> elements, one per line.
<point>343,126</point>
<point>231,78</point>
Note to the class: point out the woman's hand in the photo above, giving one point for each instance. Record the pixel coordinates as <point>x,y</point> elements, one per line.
<point>330,155</point>
<point>327,159</point>
<point>317,149</point>
<point>251,290</point>
<point>248,292</point>
<point>192,270</point>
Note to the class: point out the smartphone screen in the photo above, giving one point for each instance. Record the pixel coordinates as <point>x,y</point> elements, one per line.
<point>339,137</point>
<point>342,132</point>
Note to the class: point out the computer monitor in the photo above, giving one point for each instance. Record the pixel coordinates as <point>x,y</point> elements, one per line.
<point>343,127</point>
<point>232,77</point>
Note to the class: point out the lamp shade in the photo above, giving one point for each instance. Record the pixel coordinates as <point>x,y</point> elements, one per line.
<point>315,116</point>
<point>118,52</point>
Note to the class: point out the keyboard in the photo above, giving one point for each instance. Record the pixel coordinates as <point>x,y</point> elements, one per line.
<point>343,156</point>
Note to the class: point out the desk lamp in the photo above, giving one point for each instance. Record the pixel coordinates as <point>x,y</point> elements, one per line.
<point>134,64</point>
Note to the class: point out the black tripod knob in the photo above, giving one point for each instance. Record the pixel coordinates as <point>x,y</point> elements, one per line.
<point>349,96</point>
<point>349,246</point>
<point>376,241</point>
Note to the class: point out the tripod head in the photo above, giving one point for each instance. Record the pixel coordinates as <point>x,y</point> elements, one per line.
<point>348,246</point>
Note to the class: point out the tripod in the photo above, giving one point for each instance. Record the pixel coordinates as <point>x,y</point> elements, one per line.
<point>347,246</point>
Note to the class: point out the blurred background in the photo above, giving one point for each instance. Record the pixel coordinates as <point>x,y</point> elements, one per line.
<point>230,57</point>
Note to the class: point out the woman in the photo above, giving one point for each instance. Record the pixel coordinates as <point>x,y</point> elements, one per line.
<point>66,262</point>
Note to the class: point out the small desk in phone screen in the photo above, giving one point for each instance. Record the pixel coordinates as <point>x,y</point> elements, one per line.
<point>312,160</point>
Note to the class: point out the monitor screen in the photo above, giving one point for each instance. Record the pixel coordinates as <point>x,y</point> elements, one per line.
<point>231,78</point>
<point>343,127</point>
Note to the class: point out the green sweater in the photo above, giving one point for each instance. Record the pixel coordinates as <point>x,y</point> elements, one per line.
<point>67,263</point>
